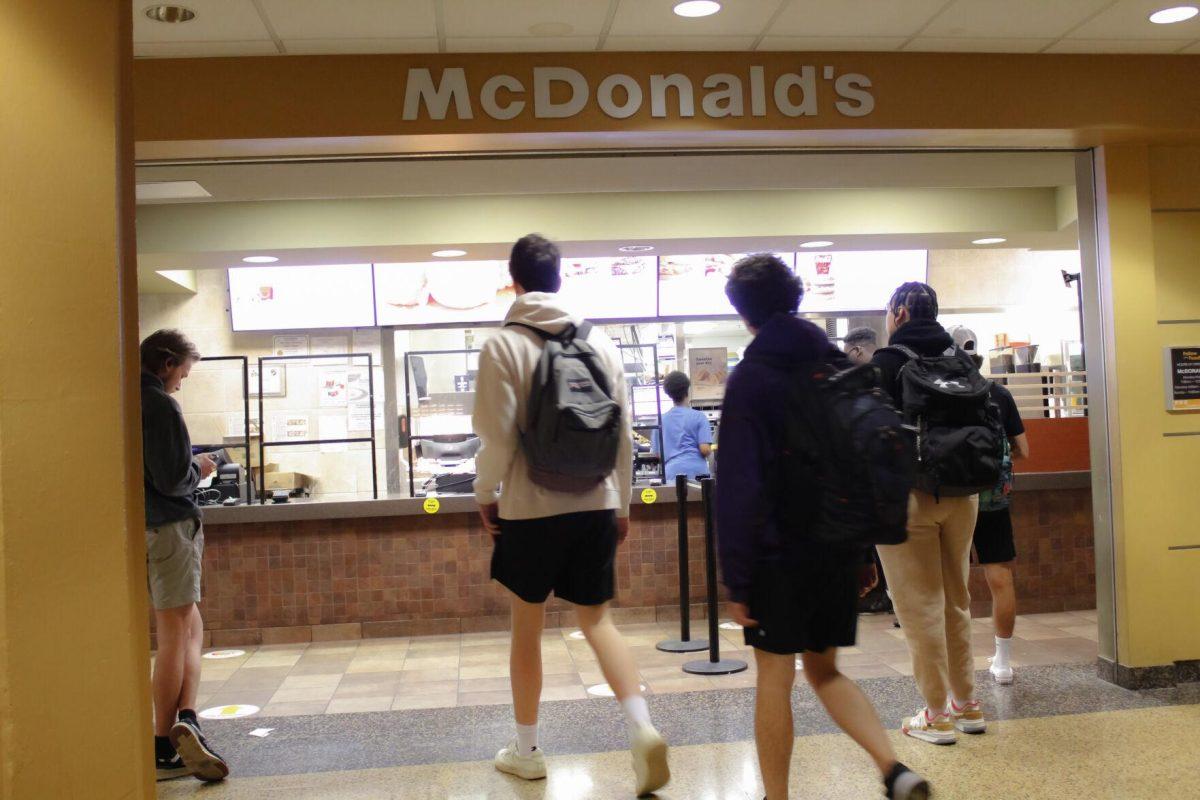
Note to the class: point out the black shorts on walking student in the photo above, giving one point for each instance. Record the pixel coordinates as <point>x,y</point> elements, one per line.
<point>569,555</point>
<point>805,601</point>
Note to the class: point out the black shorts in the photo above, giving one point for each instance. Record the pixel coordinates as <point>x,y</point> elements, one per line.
<point>805,602</point>
<point>994,537</point>
<point>570,554</point>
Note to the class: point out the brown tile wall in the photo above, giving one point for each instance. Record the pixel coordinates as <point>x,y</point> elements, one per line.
<point>414,575</point>
<point>1055,568</point>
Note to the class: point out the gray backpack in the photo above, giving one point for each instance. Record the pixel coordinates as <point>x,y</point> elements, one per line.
<point>573,428</point>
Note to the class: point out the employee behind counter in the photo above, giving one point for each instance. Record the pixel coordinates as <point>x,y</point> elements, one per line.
<point>685,432</point>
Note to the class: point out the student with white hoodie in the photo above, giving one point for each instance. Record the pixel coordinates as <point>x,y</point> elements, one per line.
<point>547,541</point>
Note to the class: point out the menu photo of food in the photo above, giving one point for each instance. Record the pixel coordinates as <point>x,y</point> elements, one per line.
<point>428,293</point>
<point>694,285</point>
<point>609,288</point>
<point>291,297</point>
<point>857,280</point>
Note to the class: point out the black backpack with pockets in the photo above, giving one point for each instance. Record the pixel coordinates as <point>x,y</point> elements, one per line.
<point>960,438</point>
<point>573,427</point>
<point>844,438</point>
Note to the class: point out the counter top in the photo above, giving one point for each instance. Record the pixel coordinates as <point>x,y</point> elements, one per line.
<point>299,510</point>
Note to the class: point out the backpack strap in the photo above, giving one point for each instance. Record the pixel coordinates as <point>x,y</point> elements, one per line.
<point>904,350</point>
<point>570,333</point>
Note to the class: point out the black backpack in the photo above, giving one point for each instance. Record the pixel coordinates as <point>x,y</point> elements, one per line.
<point>844,437</point>
<point>960,438</point>
<point>573,427</point>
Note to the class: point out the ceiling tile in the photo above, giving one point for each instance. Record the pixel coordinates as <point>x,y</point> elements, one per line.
<point>656,18</point>
<point>854,17</point>
<point>319,47</point>
<point>1012,19</point>
<point>523,44</point>
<point>358,19</point>
<point>475,19</point>
<point>1129,19</point>
<point>816,44</point>
<point>678,43</point>
<point>203,49</point>
<point>1194,48</point>
<point>932,44</point>
<point>216,21</point>
<point>1117,46</point>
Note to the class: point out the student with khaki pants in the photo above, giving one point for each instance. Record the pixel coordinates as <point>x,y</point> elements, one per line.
<point>927,574</point>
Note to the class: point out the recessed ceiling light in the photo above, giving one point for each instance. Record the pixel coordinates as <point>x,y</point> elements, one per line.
<point>170,14</point>
<point>697,8</point>
<point>636,248</point>
<point>815,244</point>
<point>990,240</point>
<point>551,29</point>
<point>1169,16</point>
<point>260,259</point>
<point>449,253</point>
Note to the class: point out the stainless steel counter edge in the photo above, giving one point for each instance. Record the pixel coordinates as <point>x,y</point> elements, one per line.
<point>409,506</point>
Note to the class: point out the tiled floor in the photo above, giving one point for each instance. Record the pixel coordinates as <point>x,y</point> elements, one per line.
<point>472,669</point>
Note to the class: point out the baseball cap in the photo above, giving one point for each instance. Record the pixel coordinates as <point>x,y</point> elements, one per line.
<point>964,337</point>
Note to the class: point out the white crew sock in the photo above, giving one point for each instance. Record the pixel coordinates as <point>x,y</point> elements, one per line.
<point>527,740</point>
<point>1003,652</point>
<point>637,713</point>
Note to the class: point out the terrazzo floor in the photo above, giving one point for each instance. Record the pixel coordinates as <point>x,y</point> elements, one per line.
<point>1131,754</point>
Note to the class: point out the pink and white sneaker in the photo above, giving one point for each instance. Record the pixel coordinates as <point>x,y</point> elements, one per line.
<point>968,717</point>
<point>930,727</point>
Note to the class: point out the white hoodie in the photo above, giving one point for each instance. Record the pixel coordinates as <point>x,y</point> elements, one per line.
<point>506,367</point>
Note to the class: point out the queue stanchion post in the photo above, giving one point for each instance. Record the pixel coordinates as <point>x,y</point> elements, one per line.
<point>715,665</point>
<point>685,643</point>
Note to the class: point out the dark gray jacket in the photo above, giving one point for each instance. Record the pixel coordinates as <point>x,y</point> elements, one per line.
<point>169,474</point>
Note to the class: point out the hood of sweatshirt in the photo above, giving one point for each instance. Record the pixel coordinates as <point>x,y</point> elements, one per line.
<point>926,337</point>
<point>540,310</point>
<point>786,339</point>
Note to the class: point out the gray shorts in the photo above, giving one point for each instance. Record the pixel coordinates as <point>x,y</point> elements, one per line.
<point>173,555</point>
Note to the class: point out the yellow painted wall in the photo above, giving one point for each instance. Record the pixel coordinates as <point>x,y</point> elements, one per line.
<point>73,639</point>
<point>1153,254</point>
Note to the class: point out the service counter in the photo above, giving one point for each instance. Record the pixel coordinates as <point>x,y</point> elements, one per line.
<point>308,571</point>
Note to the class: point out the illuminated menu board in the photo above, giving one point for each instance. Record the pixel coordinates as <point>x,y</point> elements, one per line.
<point>480,292</point>
<point>282,298</point>
<point>694,285</point>
<point>442,292</point>
<point>610,288</point>
<point>860,280</point>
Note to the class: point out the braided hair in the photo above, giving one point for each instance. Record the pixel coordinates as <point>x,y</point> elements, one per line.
<point>919,299</point>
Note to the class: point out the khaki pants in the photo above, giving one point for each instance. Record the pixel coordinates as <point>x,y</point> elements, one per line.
<point>927,576</point>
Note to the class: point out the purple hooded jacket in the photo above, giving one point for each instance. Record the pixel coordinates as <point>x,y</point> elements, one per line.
<point>751,439</point>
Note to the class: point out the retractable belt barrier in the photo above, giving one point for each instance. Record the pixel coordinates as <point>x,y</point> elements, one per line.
<point>715,665</point>
<point>685,643</point>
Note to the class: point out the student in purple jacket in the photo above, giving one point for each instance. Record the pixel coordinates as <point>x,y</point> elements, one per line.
<point>792,595</point>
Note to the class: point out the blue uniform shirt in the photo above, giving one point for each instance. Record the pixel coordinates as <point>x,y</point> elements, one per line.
<point>684,430</point>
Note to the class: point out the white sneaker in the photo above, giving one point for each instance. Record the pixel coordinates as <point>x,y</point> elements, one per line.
<point>649,760</point>
<point>929,727</point>
<point>1003,673</point>
<point>968,717</point>
<point>531,767</point>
